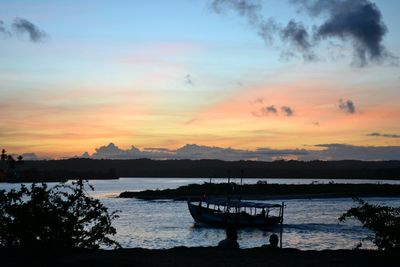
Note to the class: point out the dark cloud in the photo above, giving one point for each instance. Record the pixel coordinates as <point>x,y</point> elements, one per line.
<point>288,111</point>
<point>347,106</point>
<point>359,21</point>
<point>384,135</point>
<point>270,109</point>
<point>296,34</point>
<point>24,26</point>
<point>265,111</point>
<point>189,80</point>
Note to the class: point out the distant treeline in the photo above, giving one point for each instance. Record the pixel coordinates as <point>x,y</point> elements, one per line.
<point>59,170</point>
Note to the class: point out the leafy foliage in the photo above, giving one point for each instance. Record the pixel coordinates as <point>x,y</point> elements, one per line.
<point>63,216</point>
<point>382,220</point>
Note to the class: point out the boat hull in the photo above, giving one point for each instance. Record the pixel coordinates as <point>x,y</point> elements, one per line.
<point>224,219</point>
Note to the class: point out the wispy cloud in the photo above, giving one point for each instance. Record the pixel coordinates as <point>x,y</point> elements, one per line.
<point>24,26</point>
<point>297,35</point>
<point>189,80</point>
<point>376,134</point>
<point>3,29</point>
<point>258,100</point>
<point>191,121</point>
<point>250,9</point>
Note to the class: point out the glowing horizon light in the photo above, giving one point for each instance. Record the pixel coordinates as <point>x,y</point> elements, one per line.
<point>152,75</point>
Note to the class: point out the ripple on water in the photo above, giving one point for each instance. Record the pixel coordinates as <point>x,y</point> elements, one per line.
<point>309,223</point>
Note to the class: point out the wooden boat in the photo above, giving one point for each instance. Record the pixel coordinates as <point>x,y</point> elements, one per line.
<point>237,213</point>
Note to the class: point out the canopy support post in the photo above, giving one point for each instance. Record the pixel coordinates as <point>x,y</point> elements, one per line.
<point>281,230</point>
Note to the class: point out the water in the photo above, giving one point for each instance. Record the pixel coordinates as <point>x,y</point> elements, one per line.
<point>308,223</point>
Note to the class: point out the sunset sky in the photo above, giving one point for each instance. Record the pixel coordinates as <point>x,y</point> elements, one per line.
<point>279,74</point>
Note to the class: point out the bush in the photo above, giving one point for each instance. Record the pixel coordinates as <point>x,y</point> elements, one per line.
<point>383,221</point>
<point>62,216</point>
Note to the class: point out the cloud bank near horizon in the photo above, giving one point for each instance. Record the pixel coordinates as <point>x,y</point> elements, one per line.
<point>195,152</point>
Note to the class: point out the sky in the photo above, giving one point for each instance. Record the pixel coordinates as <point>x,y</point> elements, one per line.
<point>281,75</point>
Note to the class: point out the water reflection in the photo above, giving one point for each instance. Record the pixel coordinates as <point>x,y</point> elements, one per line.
<point>308,223</point>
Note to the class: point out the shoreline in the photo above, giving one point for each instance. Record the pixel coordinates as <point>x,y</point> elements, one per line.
<point>304,196</point>
<point>267,191</point>
<point>196,256</point>
<point>326,180</point>
<point>66,169</point>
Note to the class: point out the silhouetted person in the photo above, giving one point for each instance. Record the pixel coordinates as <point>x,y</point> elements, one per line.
<point>273,242</point>
<point>231,239</point>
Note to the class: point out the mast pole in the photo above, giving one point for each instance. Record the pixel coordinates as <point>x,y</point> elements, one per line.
<point>281,232</point>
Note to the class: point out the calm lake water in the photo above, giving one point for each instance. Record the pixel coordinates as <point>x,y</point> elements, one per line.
<point>308,223</point>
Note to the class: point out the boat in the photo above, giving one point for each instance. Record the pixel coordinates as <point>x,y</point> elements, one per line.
<point>230,212</point>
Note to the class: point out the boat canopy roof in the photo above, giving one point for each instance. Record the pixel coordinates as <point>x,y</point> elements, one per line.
<point>240,204</point>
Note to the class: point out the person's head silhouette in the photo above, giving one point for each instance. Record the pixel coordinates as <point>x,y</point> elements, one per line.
<point>231,239</point>
<point>273,240</point>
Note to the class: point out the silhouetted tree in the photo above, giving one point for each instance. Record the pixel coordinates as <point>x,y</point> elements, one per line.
<point>11,172</point>
<point>382,220</point>
<point>62,216</point>
<point>3,154</point>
